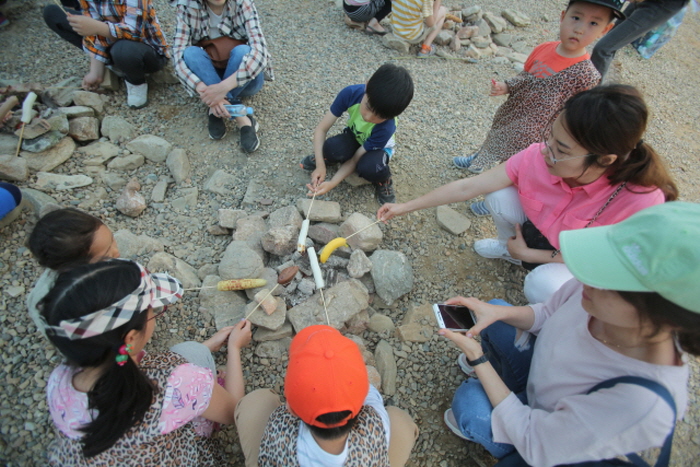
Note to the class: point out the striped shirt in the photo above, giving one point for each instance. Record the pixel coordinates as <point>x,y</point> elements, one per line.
<point>239,21</point>
<point>407,17</point>
<point>133,20</point>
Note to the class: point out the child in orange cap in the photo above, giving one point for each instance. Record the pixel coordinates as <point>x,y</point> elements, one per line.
<point>333,416</point>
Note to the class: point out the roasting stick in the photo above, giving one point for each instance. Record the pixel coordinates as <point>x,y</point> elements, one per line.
<point>285,277</point>
<point>308,213</point>
<point>318,278</point>
<point>363,228</point>
<point>323,299</point>
<point>60,6</point>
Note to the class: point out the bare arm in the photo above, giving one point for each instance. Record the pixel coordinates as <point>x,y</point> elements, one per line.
<point>347,168</point>
<point>318,176</point>
<point>459,190</point>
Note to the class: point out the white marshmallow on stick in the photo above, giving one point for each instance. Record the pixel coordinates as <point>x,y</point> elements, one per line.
<point>27,107</point>
<point>316,269</point>
<point>301,242</point>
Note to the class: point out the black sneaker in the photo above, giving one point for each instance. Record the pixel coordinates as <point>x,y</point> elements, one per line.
<point>217,127</point>
<point>384,192</point>
<point>249,136</point>
<point>308,163</point>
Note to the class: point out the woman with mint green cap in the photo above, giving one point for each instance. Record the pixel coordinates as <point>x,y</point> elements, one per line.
<point>632,310</point>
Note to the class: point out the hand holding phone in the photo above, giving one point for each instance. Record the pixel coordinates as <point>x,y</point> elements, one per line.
<point>454,317</point>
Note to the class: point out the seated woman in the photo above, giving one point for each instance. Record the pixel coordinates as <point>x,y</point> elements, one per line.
<point>114,404</point>
<point>592,168</point>
<point>62,239</point>
<point>122,34</point>
<point>219,84</point>
<point>634,314</point>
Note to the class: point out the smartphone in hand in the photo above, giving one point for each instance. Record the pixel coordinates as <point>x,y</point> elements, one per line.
<point>454,317</point>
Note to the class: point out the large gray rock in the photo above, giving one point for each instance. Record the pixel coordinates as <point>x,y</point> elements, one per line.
<point>227,308</point>
<point>99,152</point>
<point>280,241</point>
<point>516,18</point>
<point>272,322</point>
<point>117,129</point>
<point>359,264</point>
<point>240,261</point>
<point>392,274</point>
<point>321,211</point>
<point>126,163</point>
<point>187,199</point>
<point>386,365</point>
<point>221,183</point>
<point>273,350</point>
<point>343,301</point>
<point>132,246</point>
<point>113,181</point>
<point>46,161</point>
<point>179,269</point>
<point>495,22</point>
<point>43,142</point>
<point>444,37</point>
<point>77,111</point>
<point>159,190</point>
<point>253,194</point>
<point>484,28</point>
<point>250,229</point>
<point>381,323</point>
<point>154,148</point>
<point>8,143</point>
<point>367,240</point>
<point>38,200</point>
<point>61,95</point>
<point>84,128</point>
<point>270,275</point>
<point>323,232</point>
<point>263,335</point>
<point>179,164</point>
<point>287,215</point>
<point>89,99</point>
<point>229,217</point>
<point>13,168</point>
<point>452,221</point>
<point>51,181</point>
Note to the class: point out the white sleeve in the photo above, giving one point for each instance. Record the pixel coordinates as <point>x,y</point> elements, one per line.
<point>623,419</point>
<point>374,400</point>
<point>544,310</point>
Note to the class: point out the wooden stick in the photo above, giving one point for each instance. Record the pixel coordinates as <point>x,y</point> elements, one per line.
<point>308,213</point>
<point>57,2</point>
<point>21,134</point>
<point>364,228</point>
<point>260,302</point>
<point>328,320</point>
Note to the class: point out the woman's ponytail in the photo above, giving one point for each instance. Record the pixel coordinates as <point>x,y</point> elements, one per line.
<point>644,167</point>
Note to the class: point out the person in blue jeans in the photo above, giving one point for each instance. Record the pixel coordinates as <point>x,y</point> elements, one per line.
<point>642,17</point>
<point>217,84</point>
<point>631,316</point>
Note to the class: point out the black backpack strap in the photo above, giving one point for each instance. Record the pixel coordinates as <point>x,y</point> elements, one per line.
<point>661,391</point>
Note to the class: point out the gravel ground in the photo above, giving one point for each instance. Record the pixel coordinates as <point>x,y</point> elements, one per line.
<point>315,55</point>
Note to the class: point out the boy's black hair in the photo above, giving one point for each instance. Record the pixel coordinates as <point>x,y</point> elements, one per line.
<point>389,91</point>
<point>614,5</point>
<point>330,419</point>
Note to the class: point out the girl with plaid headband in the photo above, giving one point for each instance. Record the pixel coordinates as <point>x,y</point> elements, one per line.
<point>113,403</point>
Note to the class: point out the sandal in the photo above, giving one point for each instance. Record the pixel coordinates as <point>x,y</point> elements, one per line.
<point>479,209</point>
<point>353,24</point>
<point>374,32</point>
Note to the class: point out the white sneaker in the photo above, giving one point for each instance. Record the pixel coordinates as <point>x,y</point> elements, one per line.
<point>465,367</point>
<point>451,423</point>
<point>494,248</point>
<point>136,95</point>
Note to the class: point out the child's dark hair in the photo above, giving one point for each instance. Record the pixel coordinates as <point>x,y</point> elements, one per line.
<point>612,14</point>
<point>332,418</point>
<point>611,119</point>
<point>660,312</point>
<point>389,91</point>
<point>63,238</point>
<point>122,394</point>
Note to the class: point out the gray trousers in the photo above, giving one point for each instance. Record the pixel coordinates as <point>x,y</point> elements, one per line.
<point>197,353</point>
<point>641,18</point>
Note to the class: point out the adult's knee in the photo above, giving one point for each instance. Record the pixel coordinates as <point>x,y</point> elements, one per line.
<point>543,281</point>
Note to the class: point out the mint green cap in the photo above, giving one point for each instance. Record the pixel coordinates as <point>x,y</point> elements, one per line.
<point>654,250</point>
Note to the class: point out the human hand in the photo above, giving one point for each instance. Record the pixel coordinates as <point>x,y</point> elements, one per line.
<point>213,94</point>
<point>498,88</point>
<point>320,189</point>
<point>517,247</point>
<point>389,211</point>
<point>215,342</point>
<point>84,25</point>
<point>240,336</point>
<point>219,110</point>
<point>318,176</point>
<point>486,313</point>
<point>92,81</point>
<point>466,343</point>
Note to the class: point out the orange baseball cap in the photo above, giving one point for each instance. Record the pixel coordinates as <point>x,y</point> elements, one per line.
<point>326,373</point>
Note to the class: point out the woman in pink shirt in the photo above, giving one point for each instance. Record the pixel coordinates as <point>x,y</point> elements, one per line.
<point>592,169</point>
<point>114,404</point>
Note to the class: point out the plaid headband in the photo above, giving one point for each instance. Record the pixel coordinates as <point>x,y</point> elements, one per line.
<point>155,290</point>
